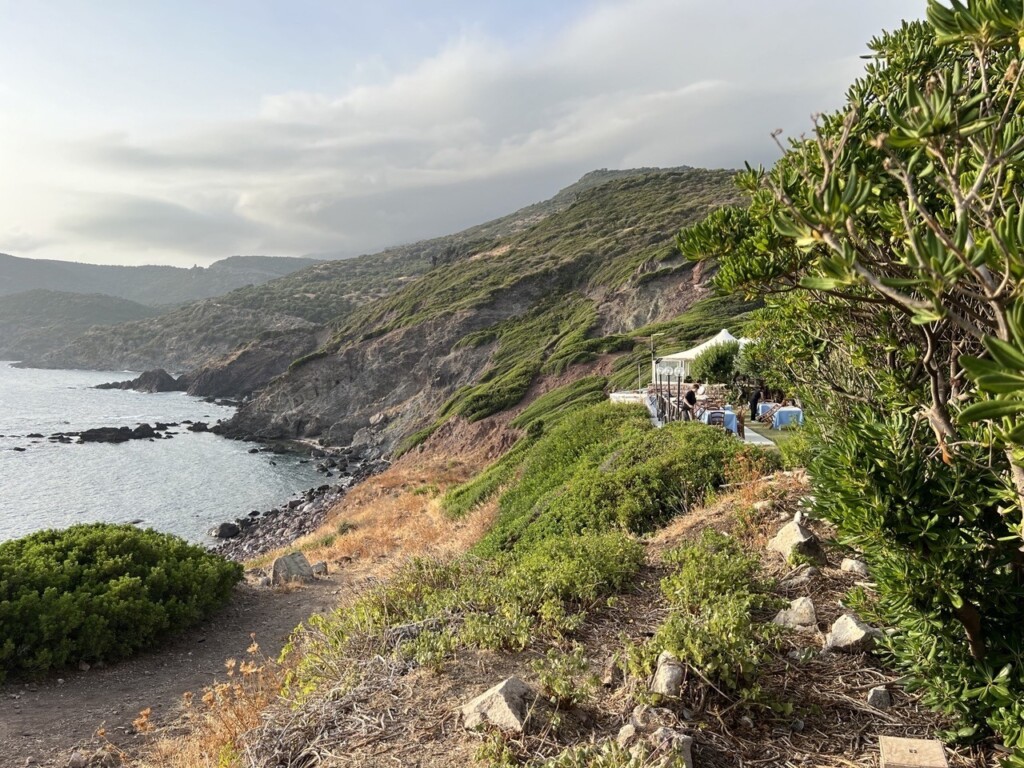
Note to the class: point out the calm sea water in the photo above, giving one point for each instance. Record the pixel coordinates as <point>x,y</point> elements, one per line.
<point>183,485</point>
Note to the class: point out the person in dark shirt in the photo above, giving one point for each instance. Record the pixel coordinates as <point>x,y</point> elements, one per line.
<point>755,399</point>
<point>690,398</point>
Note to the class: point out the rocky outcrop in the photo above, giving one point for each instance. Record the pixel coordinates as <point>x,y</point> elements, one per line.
<point>291,568</point>
<point>247,369</point>
<point>157,380</point>
<point>114,434</point>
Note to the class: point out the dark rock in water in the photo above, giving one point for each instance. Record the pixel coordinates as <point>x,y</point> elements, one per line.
<point>157,380</point>
<point>199,426</point>
<point>106,435</point>
<point>226,531</point>
<point>143,431</point>
<point>33,434</point>
<point>137,521</point>
<point>18,448</point>
<point>254,450</point>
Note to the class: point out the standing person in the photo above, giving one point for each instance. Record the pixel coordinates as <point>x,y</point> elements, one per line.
<point>691,402</point>
<point>755,400</point>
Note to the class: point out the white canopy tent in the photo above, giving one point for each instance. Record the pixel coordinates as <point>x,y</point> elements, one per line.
<point>677,365</point>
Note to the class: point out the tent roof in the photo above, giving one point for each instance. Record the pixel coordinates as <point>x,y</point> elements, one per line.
<point>721,337</point>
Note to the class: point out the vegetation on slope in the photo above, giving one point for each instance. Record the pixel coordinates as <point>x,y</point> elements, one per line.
<point>35,322</point>
<point>100,592</point>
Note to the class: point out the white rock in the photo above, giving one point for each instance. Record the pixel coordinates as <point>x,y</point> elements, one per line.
<point>799,616</point>
<point>292,567</point>
<point>668,677</point>
<point>851,635</point>
<point>504,706</point>
<point>627,735</point>
<point>793,539</point>
<point>879,697</point>
<point>854,566</point>
<point>765,505</point>
<point>669,740</point>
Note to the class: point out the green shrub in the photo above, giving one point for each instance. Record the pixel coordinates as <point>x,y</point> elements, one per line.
<point>797,446</point>
<point>717,364</point>
<point>563,676</point>
<point>606,468</point>
<point>942,578</point>
<point>503,603</point>
<point>100,592</point>
<point>711,594</point>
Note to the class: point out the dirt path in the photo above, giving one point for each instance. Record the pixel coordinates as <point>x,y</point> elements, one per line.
<point>42,723</point>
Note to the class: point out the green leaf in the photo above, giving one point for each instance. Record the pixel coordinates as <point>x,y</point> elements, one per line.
<point>992,409</point>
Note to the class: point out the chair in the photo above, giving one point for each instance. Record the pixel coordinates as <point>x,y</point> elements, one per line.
<point>716,419</point>
<point>769,415</point>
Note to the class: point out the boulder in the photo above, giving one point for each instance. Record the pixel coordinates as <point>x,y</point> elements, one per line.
<point>794,539</point>
<point>851,635</point>
<point>879,697</point>
<point>226,531</point>
<point>504,706</point>
<point>144,431</point>
<point>292,567</point>
<point>668,676</point>
<point>320,569</point>
<point>799,616</point>
<point>78,760</point>
<point>198,426</point>
<point>854,566</point>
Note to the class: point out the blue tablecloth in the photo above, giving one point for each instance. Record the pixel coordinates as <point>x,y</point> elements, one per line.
<point>763,408</point>
<point>788,415</point>
<point>730,419</point>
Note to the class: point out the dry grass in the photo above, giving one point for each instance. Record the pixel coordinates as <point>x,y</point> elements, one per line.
<point>208,729</point>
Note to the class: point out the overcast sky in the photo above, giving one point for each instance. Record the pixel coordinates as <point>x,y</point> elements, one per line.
<point>183,131</point>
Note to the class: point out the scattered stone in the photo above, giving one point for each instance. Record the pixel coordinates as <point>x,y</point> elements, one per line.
<point>879,697</point>
<point>668,676</point>
<point>504,706</point>
<point>320,568</point>
<point>19,449</point>
<point>627,735</point>
<point>83,666</point>
<point>78,760</point>
<point>647,718</point>
<point>851,635</point>
<point>803,576</point>
<point>793,539</point>
<point>854,566</point>
<point>263,581</point>
<point>611,674</point>
<point>292,567</point>
<point>799,616</point>
<point>670,740</point>
<point>766,505</point>
<point>198,426</point>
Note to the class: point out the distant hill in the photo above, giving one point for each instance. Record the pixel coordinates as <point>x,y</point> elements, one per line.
<point>150,285</point>
<point>34,322</point>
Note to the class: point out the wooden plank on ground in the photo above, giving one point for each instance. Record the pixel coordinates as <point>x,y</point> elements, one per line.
<point>911,753</point>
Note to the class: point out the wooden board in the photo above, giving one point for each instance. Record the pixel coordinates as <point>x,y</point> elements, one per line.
<point>911,753</point>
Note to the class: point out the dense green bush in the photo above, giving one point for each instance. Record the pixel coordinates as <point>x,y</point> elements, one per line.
<point>100,592</point>
<point>939,574</point>
<point>717,364</point>
<point>606,467</point>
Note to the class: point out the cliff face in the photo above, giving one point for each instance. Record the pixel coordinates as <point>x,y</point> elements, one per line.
<point>470,336</point>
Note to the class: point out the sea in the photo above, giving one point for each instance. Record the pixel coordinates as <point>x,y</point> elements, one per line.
<point>184,485</point>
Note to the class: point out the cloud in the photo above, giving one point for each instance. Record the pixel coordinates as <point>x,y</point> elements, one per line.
<point>475,130</point>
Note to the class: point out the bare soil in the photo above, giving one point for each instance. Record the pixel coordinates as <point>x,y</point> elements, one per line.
<point>43,722</point>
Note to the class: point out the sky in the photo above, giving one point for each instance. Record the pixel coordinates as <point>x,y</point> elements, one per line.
<point>183,132</point>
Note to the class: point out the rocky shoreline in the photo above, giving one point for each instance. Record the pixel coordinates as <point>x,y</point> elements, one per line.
<point>264,531</point>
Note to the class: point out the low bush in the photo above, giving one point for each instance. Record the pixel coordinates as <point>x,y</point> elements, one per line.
<point>430,609</point>
<point>711,595</point>
<point>717,364</point>
<point>100,592</point>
